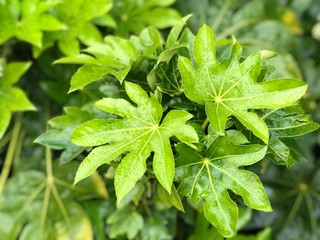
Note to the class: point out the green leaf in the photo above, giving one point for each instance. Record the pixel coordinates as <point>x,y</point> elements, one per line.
<point>116,56</point>
<point>26,19</point>
<point>172,199</point>
<point>113,57</point>
<point>35,205</point>
<point>286,123</point>
<point>135,15</point>
<point>230,88</point>
<point>140,132</point>
<point>125,221</point>
<point>62,128</point>
<point>208,175</point>
<point>12,98</point>
<point>265,234</point>
<point>169,76</point>
<point>156,228</point>
<point>163,70</point>
<point>75,15</point>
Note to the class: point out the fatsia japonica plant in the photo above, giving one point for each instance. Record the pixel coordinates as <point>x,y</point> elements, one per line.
<point>189,115</point>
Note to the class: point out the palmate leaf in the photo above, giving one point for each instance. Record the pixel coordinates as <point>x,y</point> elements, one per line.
<point>76,17</point>
<point>230,87</point>
<point>26,20</point>
<point>285,125</point>
<point>12,99</point>
<point>208,175</point>
<point>134,15</point>
<point>141,131</point>
<point>34,205</point>
<point>114,57</point>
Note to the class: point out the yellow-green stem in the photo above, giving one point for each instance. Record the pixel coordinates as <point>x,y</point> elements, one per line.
<point>10,155</point>
<point>205,124</point>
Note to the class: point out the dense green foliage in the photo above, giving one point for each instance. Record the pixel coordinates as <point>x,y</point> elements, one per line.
<point>159,127</point>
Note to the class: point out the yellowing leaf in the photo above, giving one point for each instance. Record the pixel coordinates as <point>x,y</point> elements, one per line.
<point>208,175</point>
<point>140,131</point>
<point>230,88</point>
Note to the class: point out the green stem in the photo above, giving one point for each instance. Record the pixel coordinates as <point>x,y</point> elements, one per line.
<point>18,150</point>
<point>221,15</point>
<point>48,162</point>
<point>5,139</point>
<point>236,27</point>
<point>313,220</point>
<point>10,155</point>
<point>205,124</point>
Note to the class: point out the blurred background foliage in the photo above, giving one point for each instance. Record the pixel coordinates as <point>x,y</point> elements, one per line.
<point>39,201</point>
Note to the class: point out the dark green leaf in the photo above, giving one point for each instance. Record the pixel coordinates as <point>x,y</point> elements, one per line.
<point>287,123</point>
<point>208,175</point>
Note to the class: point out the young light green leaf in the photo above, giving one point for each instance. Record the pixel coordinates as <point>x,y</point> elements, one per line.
<point>26,19</point>
<point>135,15</point>
<point>12,98</point>
<point>141,131</point>
<point>208,175</point>
<point>113,57</point>
<point>75,16</point>
<point>230,87</point>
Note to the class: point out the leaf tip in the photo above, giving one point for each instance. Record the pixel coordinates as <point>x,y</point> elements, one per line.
<point>72,89</point>
<point>266,54</point>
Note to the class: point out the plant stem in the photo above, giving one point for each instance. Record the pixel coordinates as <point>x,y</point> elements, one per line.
<point>48,162</point>
<point>10,155</point>
<point>5,139</point>
<point>221,15</point>
<point>205,124</point>
<point>236,27</point>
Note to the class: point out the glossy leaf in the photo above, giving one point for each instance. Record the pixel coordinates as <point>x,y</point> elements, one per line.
<point>12,99</point>
<point>141,131</point>
<point>26,20</point>
<point>208,175</point>
<point>230,88</point>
